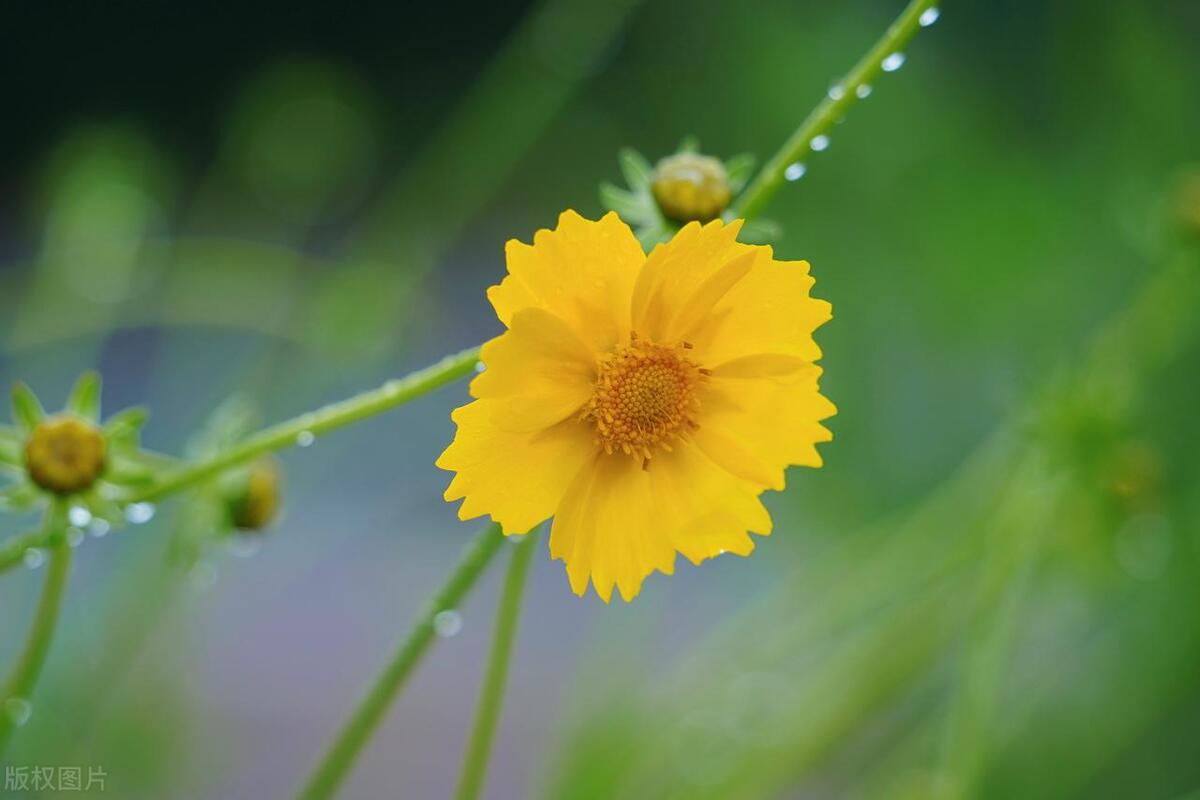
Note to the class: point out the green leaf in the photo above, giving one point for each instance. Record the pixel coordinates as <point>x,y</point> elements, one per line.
<point>636,169</point>
<point>27,411</point>
<point>124,428</point>
<point>739,169</point>
<point>690,144</point>
<point>84,400</point>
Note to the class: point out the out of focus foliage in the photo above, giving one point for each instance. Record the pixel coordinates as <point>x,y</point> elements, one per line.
<point>989,591</point>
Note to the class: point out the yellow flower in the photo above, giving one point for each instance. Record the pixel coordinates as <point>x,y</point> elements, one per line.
<point>645,402</point>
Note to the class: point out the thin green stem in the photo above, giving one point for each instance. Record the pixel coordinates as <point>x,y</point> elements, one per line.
<point>14,700</point>
<point>345,750</point>
<point>314,423</point>
<point>491,695</point>
<point>848,91</point>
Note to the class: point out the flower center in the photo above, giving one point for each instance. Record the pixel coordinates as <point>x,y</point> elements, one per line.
<point>646,395</point>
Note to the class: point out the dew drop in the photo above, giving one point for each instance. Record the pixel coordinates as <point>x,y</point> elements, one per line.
<point>305,439</point>
<point>837,92</point>
<point>99,528</point>
<point>139,513</point>
<point>863,91</point>
<point>74,537</point>
<point>447,623</point>
<point>79,516</point>
<point>244,546</point>
<point>480,366</point>
<point>795,171</point>
<point>18,709</point>
<point>819,143</point>
<point>893,62</point>
<point>34,558</point>
<point>929,16</point>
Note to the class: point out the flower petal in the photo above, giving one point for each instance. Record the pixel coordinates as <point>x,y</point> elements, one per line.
<point>767,311</point>
<point>714,508</point>
<point>608,529</point>
<point>778,421</point>
<point>582,271</point>
<point>619,522</point>
<point>686,276</point>
<point>538,373</point>
<point>516,477</point>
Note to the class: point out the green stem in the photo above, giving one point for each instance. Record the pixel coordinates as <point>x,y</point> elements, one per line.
<point>491,695</point>
<point>314,423</point>
<point>340,757</point>
<point>21,682</point>
<point>830,110</point>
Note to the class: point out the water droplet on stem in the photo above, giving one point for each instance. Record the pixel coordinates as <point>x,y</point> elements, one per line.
<point>18,709</point>
<point>447,623</point>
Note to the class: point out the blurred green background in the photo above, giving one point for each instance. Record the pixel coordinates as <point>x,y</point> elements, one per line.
<point>989,591</point>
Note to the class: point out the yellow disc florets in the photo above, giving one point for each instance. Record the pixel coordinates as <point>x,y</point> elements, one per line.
<point>646,395</point>
<point>691,187</point>
<point>65,455</point>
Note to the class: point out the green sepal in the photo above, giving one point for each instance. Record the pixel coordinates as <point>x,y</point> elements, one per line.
<point>20,498</point>
<point>128,473</point>
<point>739,170</point>
<point>105,508</point>
<point>84,400</point>
<point>630,207</point>
<point>124,428</point>
<point>760,231</point>
<point>27,411</point>
<point>636,169</point>
<point>654,235</point>
<point>689,144</point>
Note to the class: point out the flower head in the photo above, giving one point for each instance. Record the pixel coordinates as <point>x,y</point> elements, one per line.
<point>65,454</point>
<point>645,402</point>
<point>691,187</point>
<point>256,503</point>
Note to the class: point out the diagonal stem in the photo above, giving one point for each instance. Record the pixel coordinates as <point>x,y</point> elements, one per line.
<point>831,109</point>
<point>491,695</point>
<point>336,415</point>
<point>345,750</point>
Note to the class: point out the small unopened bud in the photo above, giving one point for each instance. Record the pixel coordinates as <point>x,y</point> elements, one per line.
<point>65,454</point>
<point>690,187</point>
<point>256,505</point>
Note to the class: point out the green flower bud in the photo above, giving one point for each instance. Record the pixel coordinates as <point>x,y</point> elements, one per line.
<point>65,454</point>
<point>256,505</point>
<point>690,187</point>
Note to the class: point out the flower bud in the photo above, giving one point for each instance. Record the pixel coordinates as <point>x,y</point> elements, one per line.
<point>65,454</point>
<point>256,505</point>
<point>691,187</point>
